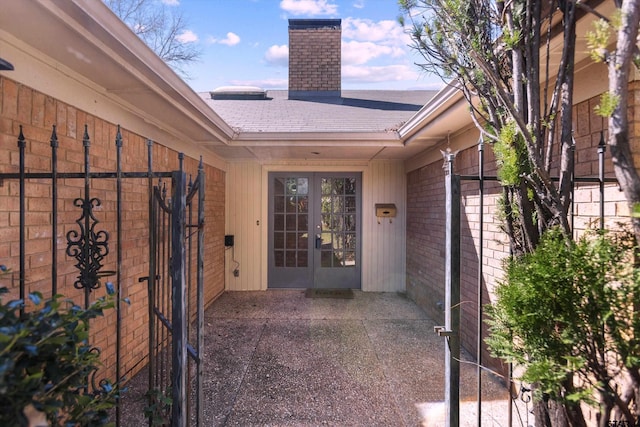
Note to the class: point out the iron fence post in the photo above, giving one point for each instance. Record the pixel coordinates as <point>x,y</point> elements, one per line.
<point>602,148</point>
<point>452,294</point>
<point>118,266</point>
<point>480,271</point>
<point>21,274</point>
<point>54,211</point>
<point>200,299</point>
<point>178,300</point>
<point>151,279</point>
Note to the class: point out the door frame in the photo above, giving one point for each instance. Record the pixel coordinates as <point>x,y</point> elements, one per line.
<point>315,274</point>
<point>337,167</point>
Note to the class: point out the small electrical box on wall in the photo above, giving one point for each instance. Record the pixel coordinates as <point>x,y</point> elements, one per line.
<point>228,240</point>
<point>386,210</point>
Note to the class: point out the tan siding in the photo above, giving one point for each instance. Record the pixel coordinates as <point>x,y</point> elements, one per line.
<point>244,190</point>
<point>383,252</point>
<point>383,257</point>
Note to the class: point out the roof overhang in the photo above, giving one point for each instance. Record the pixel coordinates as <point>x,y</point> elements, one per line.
<point>86,42</point>
<point>447,113</point>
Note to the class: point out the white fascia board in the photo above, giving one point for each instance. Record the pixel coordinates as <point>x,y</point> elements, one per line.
<point>312,138</point>
<point>432,110</point>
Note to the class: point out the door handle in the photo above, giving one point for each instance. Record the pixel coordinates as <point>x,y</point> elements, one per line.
<point>318,241</point>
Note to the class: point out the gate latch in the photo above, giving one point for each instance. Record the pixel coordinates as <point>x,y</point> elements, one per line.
<point>442,332</point>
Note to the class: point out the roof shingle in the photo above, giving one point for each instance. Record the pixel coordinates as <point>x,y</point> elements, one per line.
<point>355,111</point>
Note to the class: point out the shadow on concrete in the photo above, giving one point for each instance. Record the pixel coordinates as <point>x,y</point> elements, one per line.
<point>278,358</point>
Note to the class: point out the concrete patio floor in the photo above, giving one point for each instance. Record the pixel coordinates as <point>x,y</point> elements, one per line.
<point>276,358</point>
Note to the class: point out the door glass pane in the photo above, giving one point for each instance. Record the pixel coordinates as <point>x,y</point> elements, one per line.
<point>278,205</point>
<point>350,186</point>
<point>326,240</point>
<point>350,223</point>
<point>325,185</point>
<point>291,186</point>
<point>279,258</point>
<point>349,259</point>
<point>278,240</point>
<point>350,241</point>
<point>278,222</point>
<point>338,217</point>
<point>303,186</point>
<point>303,222</point>
<point>291,221</point>
<point>350,204</point>
<point>291,241</point>
<point>338,204</point>
<point>303,241</point>
<point>337,186</point>
<point>303,204</point>
<point>291,203</point>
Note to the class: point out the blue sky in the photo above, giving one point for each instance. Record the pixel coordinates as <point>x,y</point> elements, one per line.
<point>245,42</point>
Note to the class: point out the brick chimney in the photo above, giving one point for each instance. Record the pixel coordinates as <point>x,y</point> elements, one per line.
<point>314,58</point>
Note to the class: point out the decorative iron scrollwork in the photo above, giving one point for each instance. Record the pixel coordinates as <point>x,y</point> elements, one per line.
<point>88,246</point>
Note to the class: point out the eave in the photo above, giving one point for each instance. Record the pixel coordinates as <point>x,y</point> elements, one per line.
<point>85,42</point>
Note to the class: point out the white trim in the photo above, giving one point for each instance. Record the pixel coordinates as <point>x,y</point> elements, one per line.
<point>264,250</point>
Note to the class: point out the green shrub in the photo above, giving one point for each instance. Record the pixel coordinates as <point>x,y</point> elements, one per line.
<point>47,363</point>
<point>568,315</point>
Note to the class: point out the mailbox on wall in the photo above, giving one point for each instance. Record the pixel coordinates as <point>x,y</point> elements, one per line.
<point>386,210</point>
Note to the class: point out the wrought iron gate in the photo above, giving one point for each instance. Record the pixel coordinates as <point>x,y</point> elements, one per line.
<point>176,263</point>
<point>176,298</point>
<point>451,330</point>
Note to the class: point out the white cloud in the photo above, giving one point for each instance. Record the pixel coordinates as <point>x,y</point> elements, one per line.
<point>309,7</point>
<point>358,4</point>
<point>232,39</point>
<point>388,31</point>
<point>379,74</point>
<point>277,55</point>
<point>171,2</point>
<point>356,53</point>
<point>187,36</point>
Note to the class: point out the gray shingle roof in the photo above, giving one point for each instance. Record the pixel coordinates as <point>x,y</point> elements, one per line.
<point>354,111</point>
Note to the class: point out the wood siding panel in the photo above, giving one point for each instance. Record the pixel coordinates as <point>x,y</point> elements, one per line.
<point>384,248</point>
<point>244,189</point>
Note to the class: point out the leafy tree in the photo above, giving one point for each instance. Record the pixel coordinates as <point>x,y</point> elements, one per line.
<point>491,50</point>
<point>161,28</point>
<point>614,103</point>
<point>498,53</point>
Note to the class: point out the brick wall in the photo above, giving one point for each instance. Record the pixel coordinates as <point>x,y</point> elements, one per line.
<point>315,59</point>
<point>426,220</point>
<point>37,113</point>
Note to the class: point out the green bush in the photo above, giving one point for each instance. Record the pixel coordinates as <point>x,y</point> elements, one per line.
<point>47,362</point>
<point>568,315</point>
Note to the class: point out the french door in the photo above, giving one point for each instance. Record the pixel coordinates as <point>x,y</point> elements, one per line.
<point>314,230</point>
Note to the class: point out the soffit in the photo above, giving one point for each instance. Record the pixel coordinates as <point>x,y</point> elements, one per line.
<point>88,39</point>
<point>447,113</point>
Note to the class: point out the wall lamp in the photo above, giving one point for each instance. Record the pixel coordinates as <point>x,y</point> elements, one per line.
<point>5,65</point>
